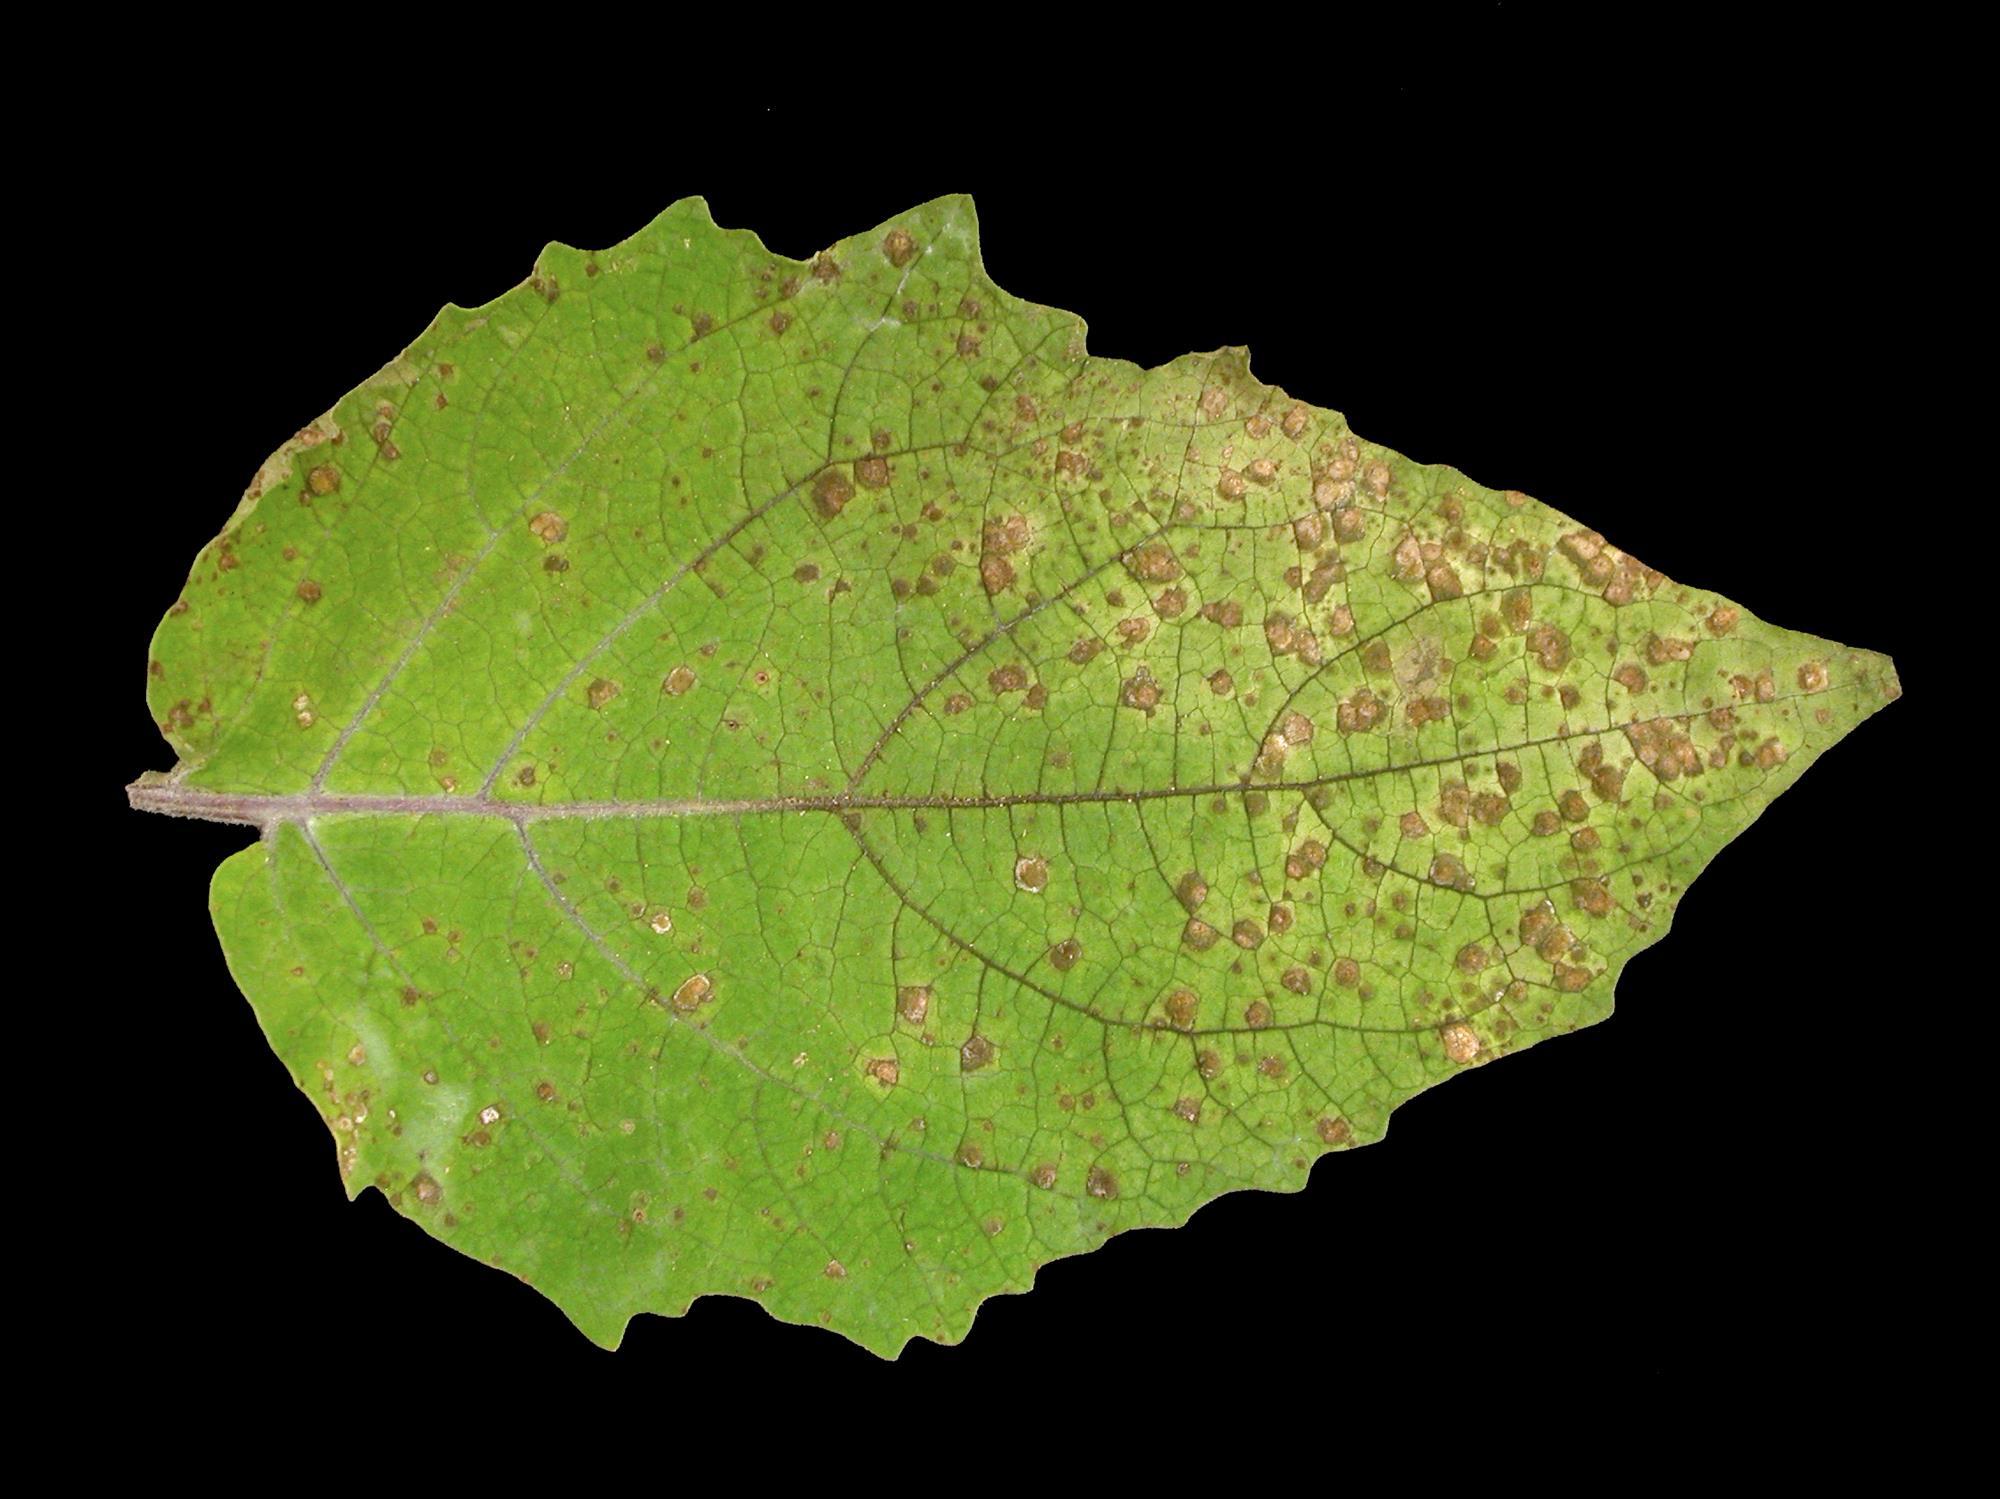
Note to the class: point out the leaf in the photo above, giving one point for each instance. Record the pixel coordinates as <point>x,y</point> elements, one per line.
<point>794,780</point>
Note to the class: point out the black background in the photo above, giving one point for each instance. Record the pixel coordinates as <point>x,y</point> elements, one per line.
<point>1667,288</point>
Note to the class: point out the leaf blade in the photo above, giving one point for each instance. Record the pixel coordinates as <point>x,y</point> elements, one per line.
<point>765,673</point>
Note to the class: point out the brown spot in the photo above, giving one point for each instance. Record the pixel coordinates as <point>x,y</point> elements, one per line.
<point>1334,1131</point>
<point>1359,713</point>
<point>1188,1109</point>
<point>1412,825</point>
<point>900,247</point>
<point>1101,1183</point>
<point>1199,935</point>
<point>549,528</point>
<point>1140,691</point>
<point>427,1189</point>
<point>831,492</point>
<point>1005,679</point>
<point>1247,934</point>
<point>1191,890</point>
<point>1064,955</point>
<point>601,691</point>
<point>1031,873</point>
<point>308,591</point>
<point>975,1054</point>
<point>1310,855</point>
<point>1663,749</point>
<point>885,1071</point>
<point>695,991</point>
<point>323,480</point>
<point>1550,647</point>
<point>678,681</point>
<point>1258,1015</point>
<point>1471,958</point>
<point>1461,1042</point>
<point>1591,896</point>
<point>913,1002</point>
<point>1812,675</point>
<point>1181,1006</point>
<point>1153,563</point>
<point>1450,870</point>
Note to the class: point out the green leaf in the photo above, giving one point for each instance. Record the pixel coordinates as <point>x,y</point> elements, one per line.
<point>794,780</point>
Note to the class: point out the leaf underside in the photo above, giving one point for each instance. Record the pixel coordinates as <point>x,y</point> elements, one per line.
<point>794,780</point>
